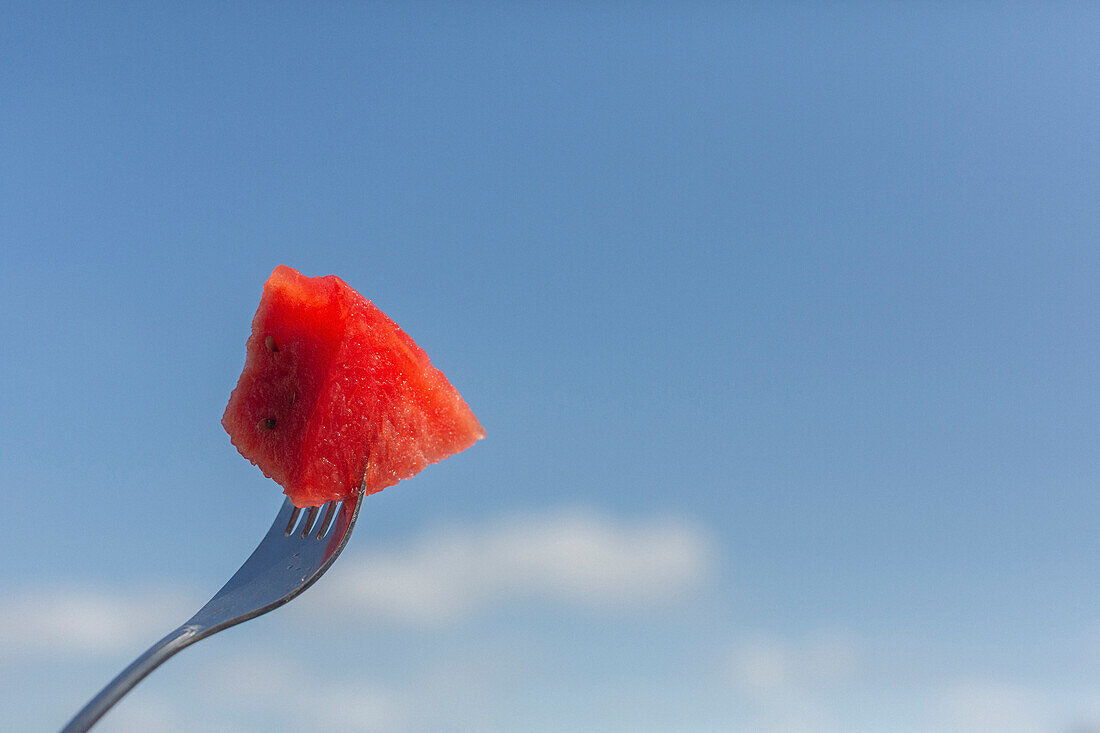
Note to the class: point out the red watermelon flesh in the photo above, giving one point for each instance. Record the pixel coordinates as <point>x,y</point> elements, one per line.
<point>334,393</point>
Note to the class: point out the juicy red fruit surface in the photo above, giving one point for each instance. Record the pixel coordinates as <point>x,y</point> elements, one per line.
<point>334,393</point>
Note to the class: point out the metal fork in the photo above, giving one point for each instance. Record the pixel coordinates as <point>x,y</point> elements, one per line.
<point>290,558</point>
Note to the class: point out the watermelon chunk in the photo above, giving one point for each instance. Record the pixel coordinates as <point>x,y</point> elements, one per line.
<point>334,393</point>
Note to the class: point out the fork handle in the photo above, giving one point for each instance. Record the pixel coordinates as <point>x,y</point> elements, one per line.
<point>156,655</point>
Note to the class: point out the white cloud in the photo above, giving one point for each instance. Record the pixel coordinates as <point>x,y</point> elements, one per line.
<point>80,622</point>
<point>768,665</point>
<point>761,666</point>
<point>791,684</point>
<point>260,692</point>
<point>834,681</point>
<point>578,558</point>
<point>278,689</point>
<point>139,715</point>
<point>264,682</point>
<point>143,713</point>
<point>351,705</point>
<point>979,705</point>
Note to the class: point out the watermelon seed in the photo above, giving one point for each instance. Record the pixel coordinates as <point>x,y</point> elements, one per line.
<point>268,423</point>
<point>269,342</point>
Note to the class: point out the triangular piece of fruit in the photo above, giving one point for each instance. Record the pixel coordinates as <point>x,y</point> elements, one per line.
<point>333,392</point>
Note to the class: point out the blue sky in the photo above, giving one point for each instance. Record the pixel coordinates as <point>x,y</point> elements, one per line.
<point>781,319</point>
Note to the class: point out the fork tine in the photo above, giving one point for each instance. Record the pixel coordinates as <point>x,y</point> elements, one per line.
<point>292,519</point>
<point>330,512</point>
<point>307,523</point>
